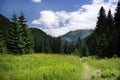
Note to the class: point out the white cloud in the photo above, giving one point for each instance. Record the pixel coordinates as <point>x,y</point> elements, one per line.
<point>98,1</point>
<point>61,22</point>
<point>37,1</point>
<point>48,18</point>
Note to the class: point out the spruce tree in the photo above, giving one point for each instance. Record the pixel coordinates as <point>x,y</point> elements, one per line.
<point>78,47</point>
<point>79,44</point>
<point>71,48</point>
<point>114,43</point>
<point>98,41</point>
<point>110,32</point>
<point>116,38</point>
<point>14,42</point>
<point>85,51</point>
<point>28,42</point>
<point>110,25</point>
<point>117,18</point>
<point>46,48</point>
<point>66,48</point>
<point>100,26</point>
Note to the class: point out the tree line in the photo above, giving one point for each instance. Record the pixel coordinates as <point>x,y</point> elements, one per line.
<point>18,40</point>
<point>47,44</point>
<point>105,40</point>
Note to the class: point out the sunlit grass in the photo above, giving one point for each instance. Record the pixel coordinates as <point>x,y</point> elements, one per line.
<point>40,67</point>
<point>104,69</point>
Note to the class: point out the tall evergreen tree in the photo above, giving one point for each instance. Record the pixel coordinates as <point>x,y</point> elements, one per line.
<point>71,48</point>
<point>78,47</point>
<point>14,43</point>
<point>110,32</point>
<point>19,37</point>
<point>47,47</point>
<point>57,46</point>
<point>85,51</point>
<point>79,44</point>
<point>26,35</point>
<point>101,21</point>
<point>117,18</point>
<point>98,41</point>
<point>116,41</point>
<point>107,39</point>
<point>66,48</point>
<point>110,25</point>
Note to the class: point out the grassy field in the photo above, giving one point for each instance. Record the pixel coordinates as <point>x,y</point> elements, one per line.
<point>58,67</point>
<point>103,69</point>
<point>40,67</point>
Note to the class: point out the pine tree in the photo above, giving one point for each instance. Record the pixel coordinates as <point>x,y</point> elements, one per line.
<point>110,32</point>
<point>117,18</point>
<point>71,48</point>
<point>26,35</point>
<point>79,44</point>
<point>106,42</point>
<point>46,48</point>
<point>114,43</point>
<point>85,51</point>
<point>116,37</point>
<point>78,47</point>
<point>19,38</point>
<point>98,41</point>
<point>101,22</point>
<point>14,43</point>
<point>110,25</point>
<point>60,45</point>
<point>66,48</point>
<point>90,42</point>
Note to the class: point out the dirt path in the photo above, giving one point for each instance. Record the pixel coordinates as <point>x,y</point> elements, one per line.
<point>87,72</point>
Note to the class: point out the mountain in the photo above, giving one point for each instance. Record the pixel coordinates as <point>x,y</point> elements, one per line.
<point>41,40</point>
<point>73,36</point>
<point>38,33</point>
<point>4,25</point>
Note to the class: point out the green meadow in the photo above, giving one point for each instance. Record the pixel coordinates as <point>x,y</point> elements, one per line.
<point>103,69</point>
<point>58,67</point>
<point>40,67</point>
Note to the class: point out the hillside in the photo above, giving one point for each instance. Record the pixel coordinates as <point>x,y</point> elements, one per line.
<point>37,33</point>
<point>41,40</point>
<point>4,25</point>
<point>73,36</point>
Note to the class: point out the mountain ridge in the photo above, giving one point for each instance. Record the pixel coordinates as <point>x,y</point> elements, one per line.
<point>73,36</point>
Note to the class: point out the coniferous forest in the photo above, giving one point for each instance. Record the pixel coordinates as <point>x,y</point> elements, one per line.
<point>29,53</point>
<point>17,38</point>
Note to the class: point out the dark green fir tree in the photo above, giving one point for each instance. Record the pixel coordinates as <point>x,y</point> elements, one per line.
<point>28,42</point>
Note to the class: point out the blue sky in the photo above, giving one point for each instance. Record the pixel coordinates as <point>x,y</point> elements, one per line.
<point>57,17</point>
<point>31,9</point>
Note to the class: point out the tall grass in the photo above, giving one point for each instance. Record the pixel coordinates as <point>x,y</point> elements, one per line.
<point>40,67</point>
<point>104,69</point>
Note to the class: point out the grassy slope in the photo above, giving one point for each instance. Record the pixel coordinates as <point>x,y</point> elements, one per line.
<point>40,67</point>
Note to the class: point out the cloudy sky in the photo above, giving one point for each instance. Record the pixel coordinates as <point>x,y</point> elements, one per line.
<point>57,17</point>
